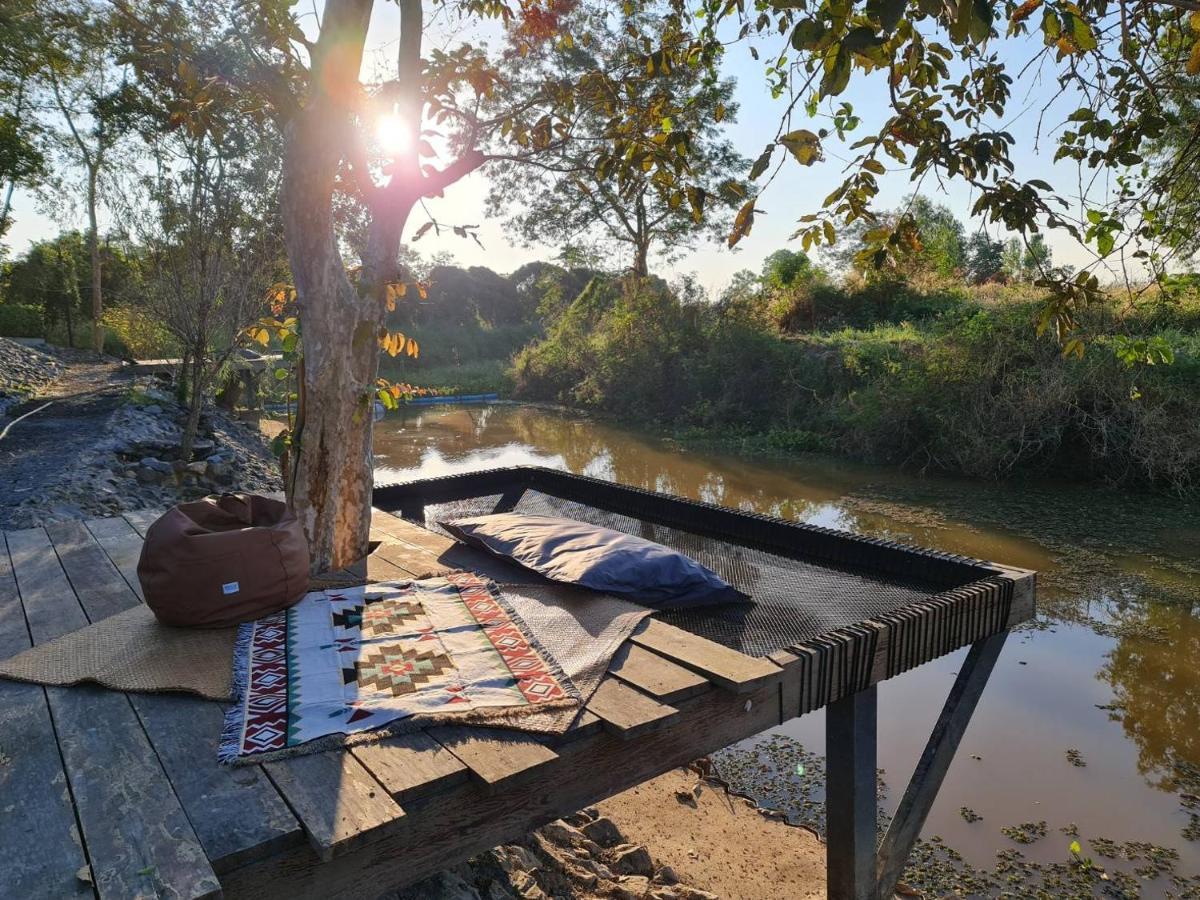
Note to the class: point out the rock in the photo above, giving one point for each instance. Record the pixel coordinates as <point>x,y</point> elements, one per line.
<point>149,476</point>
<point>680,892</point>
<point>561,833</point>
<point>199,468</point>
<point>157,465</point>
<point>202,449</point>
<point>632,859</point>
<point>666,875</point>
<point>447,885</point>
<point>631,887</point>
<point>603,831</point>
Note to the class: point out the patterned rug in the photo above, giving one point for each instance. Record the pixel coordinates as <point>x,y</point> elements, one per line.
<point>344,663</point>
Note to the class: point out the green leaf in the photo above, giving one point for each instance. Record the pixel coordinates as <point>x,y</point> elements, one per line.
<point>807,34</point>
<point>1095,216</point>
<point>1076,848</point>
<point>1104,242</point>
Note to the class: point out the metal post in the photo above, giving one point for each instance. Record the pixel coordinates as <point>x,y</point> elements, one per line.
<point>850,806</point>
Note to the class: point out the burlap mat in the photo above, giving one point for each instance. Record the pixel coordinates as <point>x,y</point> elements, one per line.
<point>131,651</point>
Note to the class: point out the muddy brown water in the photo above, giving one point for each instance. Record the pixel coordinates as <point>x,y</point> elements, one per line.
<point>1112,669</point>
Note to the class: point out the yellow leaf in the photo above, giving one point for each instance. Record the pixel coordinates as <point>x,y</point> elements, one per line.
<point>1193,63</point>
<point>412,348</point>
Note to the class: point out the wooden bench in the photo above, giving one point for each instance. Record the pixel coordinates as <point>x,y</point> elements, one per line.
<point>120,795</point>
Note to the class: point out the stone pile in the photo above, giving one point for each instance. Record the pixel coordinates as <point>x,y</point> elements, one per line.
<point>23,371</point>
<point>583,856</point>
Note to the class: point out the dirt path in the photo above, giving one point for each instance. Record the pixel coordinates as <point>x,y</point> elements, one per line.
<point>38,450</point>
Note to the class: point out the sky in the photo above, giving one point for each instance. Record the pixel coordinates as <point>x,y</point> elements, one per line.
<point>795,192</point>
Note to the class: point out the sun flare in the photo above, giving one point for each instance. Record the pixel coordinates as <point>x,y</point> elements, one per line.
<point>391,133</point>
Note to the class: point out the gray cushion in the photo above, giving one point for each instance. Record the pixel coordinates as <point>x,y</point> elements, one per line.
<point>599,558</point>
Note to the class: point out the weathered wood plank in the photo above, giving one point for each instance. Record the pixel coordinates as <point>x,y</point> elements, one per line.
<point>627,712</point>
<point>123,546</point>
<point>789,687</point>
<point>138,839</point>
<point>412,535</point>
<point>101,589</point>
<point>850,791</point>
<point>467,819</point>
<point>39,842</point>
<point>237,813</point>
<point>339,803</point>
<point>412,766</point>
<point>724,667</point>
<point>656,676</point>
<point>141,519</point>
<point>50,605</point>
<point>497,759</point>
<point>935,761</point>
<point>417,563</point>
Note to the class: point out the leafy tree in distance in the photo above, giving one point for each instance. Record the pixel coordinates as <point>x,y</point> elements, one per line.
<point>569,196</point>
<point>22,150</point>
<point>984,257</point>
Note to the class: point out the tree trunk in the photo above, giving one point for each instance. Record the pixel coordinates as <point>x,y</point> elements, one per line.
<point>94,252</point>
<point>195,404</point>
<point>331,479</point>
<point>641,241</point>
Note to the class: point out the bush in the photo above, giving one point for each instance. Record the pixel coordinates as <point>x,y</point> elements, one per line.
<point>137,334</point>
<point>17,320</point>
<point>927,378</point>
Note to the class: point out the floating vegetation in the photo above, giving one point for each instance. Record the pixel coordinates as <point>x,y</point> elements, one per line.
<point>1025,833</point>
<point>1075,758</point>
<point>781,775</point>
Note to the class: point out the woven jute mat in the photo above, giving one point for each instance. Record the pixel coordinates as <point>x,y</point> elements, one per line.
<point>133,651</point>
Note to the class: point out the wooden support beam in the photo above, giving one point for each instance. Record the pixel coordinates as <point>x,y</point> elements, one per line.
<point>931,769</point>
<point>850,806</point>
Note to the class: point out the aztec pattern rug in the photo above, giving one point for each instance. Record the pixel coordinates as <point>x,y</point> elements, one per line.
<point>358,663</point>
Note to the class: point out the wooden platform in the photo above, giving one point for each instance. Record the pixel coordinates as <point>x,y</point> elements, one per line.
<point>117,795</point>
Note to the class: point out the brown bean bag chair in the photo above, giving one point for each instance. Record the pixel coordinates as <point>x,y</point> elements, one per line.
<point>223,560</point>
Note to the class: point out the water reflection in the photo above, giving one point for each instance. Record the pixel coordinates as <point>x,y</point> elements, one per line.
<point>1113,671</point>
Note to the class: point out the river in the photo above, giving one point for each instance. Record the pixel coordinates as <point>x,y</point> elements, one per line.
<point>1110,672</point>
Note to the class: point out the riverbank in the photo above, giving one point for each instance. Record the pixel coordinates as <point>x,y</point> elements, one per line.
<point>955,380</point>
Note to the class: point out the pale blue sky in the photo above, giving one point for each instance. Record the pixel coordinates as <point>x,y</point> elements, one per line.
<point>795,192</point>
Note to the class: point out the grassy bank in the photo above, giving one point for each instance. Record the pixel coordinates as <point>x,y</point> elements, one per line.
<point>942,377</point>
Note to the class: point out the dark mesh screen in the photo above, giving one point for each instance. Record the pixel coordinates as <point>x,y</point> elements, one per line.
<point>794,599</point>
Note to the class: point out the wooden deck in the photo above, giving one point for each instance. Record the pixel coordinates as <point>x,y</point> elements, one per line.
<point>120,795</point>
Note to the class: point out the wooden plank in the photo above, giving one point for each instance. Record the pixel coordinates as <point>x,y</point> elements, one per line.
<point>789,687</point>
<point>339,803</point>
<point>236,812</point>
<point>627,712</point>
<point>101,589</point>
<point>586,724</point>
<point>654,675</point>
<point>850,804</point>
<point>466,819</point>
<point>123,546</point>
<point>724,667</point>
<point>50,606</point>
<point>935,761</point>
<point>138,839</point>
<point>412,766</point>
<point>497,759</point>
<point>417,563</point>
<point>141,519</point>
<point>412,535</point>
<point>42,854</point>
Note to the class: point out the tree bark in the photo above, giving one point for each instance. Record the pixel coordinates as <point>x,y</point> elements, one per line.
<point>330,487</point>
<point>195,403</point>
<point>94,253</point>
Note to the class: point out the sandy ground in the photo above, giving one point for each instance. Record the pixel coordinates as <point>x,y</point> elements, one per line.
<point>719,843</point>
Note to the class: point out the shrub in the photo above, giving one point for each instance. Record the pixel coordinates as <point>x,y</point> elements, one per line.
<point>17,320</point>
